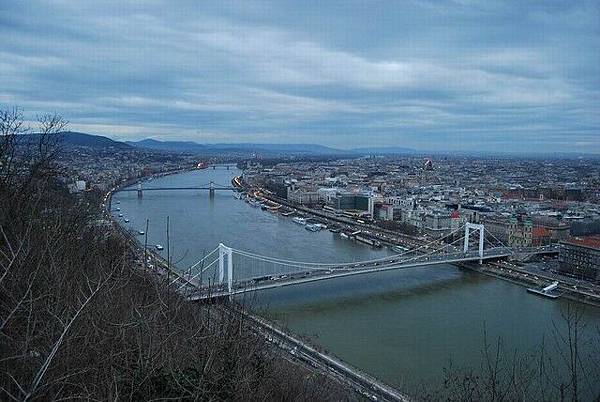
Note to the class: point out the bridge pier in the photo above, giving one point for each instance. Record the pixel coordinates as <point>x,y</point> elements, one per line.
<point>211,189</point>
<point>139,190</point>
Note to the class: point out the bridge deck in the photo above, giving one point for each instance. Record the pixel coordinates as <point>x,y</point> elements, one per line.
<point>179,188</point>
<point>216,293</point>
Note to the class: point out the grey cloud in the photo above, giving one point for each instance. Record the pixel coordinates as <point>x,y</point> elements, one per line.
<point>425,74</point>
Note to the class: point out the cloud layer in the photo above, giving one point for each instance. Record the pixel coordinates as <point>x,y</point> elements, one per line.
<point>433,75</point>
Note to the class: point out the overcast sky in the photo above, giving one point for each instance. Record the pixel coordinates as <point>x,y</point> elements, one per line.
<point>431,75</point>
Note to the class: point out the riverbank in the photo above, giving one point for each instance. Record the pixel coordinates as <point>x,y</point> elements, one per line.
<point>527,280</point>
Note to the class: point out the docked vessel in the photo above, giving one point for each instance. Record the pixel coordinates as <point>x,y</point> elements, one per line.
<point>400,249</point>
<point>159,247</point>
<point>299,221</point>
<point>550,291</point>
<point>126,220</point>
<point>120,215</point>
<point>367,240</point>
<point>312,227</point>
<point>141,232</point>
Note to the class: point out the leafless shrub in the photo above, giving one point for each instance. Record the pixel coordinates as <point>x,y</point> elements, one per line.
<point>79,321</point>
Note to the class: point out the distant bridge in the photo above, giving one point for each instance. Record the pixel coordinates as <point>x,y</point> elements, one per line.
<point>211,187</point>
<point>227,271</point>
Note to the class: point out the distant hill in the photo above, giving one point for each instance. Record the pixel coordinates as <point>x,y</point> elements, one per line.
<point>81,139</point>
<point>383,150</point>
<point>296,148</point>
<point>171,146</point>
<point>194,147</point>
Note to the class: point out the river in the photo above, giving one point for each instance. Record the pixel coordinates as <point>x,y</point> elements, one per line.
<point>401,326</point>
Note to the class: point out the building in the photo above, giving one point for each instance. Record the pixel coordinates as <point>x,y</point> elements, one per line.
<point>520,232</point>
<point>351,201</point>
<point>305,197</point>
<point>580,256</point>
<point>437,222</point>
<point>384,212</point>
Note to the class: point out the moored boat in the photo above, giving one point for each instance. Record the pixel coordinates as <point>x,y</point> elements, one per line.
<point>312,227</point>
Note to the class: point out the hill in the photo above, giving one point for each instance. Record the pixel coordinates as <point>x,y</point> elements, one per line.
<point>194,147</point>
<point>80,139</point>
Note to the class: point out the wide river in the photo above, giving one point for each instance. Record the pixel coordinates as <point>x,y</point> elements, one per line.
<point>401,326</point>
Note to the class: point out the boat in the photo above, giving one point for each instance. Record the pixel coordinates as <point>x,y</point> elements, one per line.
<point>202,165</point>
<point>118,209</point>
<point>126,220</point>
<point>288,213</point>
<point>400,249</point>
<point>299,221</point>
<point>141,232</point>
<point>550,291</point>
<point>334,229</point>
<point>159,247</point>
<point>367,240</point>
<point>118,202</point>
<point>120,215</point>
<point>312,227</point>
<point>344,235</point>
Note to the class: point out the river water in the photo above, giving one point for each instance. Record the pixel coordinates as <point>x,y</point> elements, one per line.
<point>402,326</point>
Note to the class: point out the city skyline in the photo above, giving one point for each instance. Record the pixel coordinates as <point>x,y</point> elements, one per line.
<point>438,76</point>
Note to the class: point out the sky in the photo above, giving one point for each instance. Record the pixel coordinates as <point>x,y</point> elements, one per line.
<point>461,75</point>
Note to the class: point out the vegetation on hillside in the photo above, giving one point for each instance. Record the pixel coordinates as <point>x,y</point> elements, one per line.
<point>79,320</point>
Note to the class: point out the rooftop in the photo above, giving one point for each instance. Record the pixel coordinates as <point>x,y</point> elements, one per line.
<point>585,241</point>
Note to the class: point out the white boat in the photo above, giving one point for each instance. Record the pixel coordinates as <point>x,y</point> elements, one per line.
<point>141,232</point>
<point>399,249</point>
<point>120,215</point>
<point>344,235</point>
<point>126,220</point>
<point>299,221</point>
<point>159,247</point>
<point>312,227</point>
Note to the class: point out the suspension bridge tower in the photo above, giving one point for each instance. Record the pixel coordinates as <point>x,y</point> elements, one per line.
<point>226,257</point>
<point>211,189</point>
<point>139,190</point>
<point>478,228</point>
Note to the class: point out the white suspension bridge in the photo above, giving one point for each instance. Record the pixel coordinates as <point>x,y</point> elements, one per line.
<point>226,271</point>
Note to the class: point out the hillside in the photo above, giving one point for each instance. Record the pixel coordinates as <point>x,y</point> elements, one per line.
<point>79,139</point>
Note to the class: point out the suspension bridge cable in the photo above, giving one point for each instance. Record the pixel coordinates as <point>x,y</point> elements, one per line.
<point>317,264</point>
